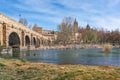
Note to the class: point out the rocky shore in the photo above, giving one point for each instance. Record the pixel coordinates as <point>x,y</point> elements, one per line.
<point>82,46</point>
<point>74,46</point>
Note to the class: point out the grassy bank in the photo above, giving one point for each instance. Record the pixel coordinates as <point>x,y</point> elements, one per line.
<point>11,69</point>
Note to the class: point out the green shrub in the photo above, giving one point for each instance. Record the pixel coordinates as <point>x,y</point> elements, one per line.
<point>24,61</point>
<point>2,65</point>
<point>20,71</point>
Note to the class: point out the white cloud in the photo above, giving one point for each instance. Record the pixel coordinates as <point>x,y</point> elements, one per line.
<point>107,22</point>
<point>86,11</point>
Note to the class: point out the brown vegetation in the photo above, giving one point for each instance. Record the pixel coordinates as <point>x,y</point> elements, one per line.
<point>107,48</point>
<point>23,70</point>
<point>66,33</point>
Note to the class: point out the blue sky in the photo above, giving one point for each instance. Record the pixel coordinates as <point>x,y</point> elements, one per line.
<point>49,13</point>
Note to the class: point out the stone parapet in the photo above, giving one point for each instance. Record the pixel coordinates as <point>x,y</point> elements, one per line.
<point>17,25</point>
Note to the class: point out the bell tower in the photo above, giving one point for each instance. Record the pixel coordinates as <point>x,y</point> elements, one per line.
<point>75,26</point>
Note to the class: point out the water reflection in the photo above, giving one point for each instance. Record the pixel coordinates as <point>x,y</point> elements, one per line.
<point>77,56</point>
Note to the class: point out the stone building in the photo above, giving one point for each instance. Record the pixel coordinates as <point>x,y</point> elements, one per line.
<point>47,33</point>
<point>76,35</point>
<point>76,26</point>
<point>38,29</point>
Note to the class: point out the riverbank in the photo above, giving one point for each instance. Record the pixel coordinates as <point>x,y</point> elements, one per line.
<point>72,46</point>
<point>11,69</point>
<point>75,46</point>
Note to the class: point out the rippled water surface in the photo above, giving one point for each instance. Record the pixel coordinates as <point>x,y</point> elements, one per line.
<point>73,56</point>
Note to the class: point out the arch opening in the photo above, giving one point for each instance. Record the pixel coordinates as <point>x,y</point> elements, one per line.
<point>42,42</point>
<point>38,42</point>
<point>49,42</point>
<point>14,39</point>
<point>27,40</point>
<point>34,41</point>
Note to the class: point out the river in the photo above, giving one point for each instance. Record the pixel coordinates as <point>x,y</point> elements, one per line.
<point>94,57</point>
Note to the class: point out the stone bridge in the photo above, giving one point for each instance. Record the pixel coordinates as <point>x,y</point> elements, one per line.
<point>14,34</point>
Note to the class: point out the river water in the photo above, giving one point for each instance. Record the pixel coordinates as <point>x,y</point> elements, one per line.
<point>73,56</point>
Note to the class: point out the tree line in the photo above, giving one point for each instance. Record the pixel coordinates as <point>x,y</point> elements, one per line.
<point>66,34</point>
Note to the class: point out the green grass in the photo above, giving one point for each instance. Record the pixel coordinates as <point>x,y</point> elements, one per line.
<point>23,70</point>
<point>2,65</point>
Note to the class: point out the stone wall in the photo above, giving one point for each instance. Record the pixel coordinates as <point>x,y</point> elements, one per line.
<point>16,25</point>
<point>9,25</point>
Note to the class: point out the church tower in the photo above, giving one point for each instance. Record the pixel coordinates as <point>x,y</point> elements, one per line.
<point>75,26</point>
<point>88,27</point>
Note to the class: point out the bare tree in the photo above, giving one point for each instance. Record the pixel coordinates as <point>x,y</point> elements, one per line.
<point>65,30</point>
<point>35,25</point>
<point>22,20</point>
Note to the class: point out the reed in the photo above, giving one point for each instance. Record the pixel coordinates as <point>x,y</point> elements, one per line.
<point>107,48</point>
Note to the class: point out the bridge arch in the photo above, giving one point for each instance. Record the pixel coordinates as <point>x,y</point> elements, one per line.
<point>14,39</point>
<point>42,41</point>
<point>49,42</point>
<point>38,42</point>
<point>34,41</point>
<point>27,40</point>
